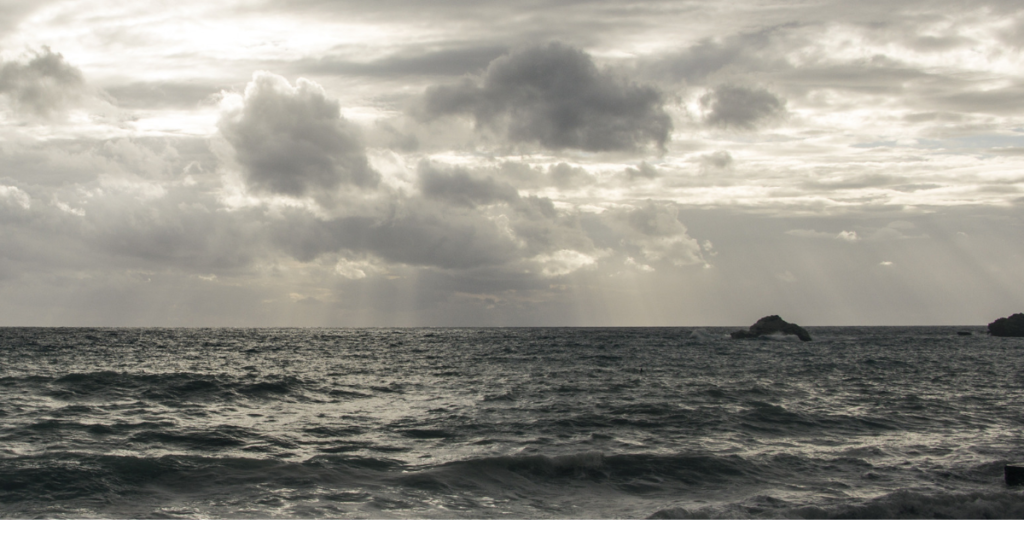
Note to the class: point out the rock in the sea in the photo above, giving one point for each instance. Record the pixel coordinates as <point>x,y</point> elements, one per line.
<point>1008,327</point>
<point>769,325</point>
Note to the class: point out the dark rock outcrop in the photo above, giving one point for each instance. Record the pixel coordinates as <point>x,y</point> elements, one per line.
<point>769,325</point>
<point>1008,327</point>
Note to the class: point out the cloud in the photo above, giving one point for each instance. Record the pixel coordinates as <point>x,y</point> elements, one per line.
<point>846,236</point>
<point>12,195</point>
<point>856,183</point>
<point>709,56</point>
<point>661,236</point>
<point>736,106</point>
<point>442,62</point>
<point>717,159</point>
<point>650,232</point>
<point>456,186</point>
<point>563,262</point>
<point>642,170</point>
<point>561,175</point>
<point>156,95</point>
<point>556,96</point>
<point>43,86</point>
<point>413,235</point>
<point>292,140</point>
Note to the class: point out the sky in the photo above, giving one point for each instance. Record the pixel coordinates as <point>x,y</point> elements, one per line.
<point>510,163</point>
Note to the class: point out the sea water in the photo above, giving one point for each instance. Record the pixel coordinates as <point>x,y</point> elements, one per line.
<point>873,422</point>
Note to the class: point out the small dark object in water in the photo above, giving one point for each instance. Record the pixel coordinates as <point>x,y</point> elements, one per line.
<point>1008,327</point>
<point>964,333</point>
<point>771,324</point>
<point>1014,474</point>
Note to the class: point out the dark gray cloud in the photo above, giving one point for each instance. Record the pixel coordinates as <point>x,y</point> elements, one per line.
<point>42,86</point>
<point>740,107</point>
<point>292,140</point>
<point>456,186</point>
<point>555,95</point>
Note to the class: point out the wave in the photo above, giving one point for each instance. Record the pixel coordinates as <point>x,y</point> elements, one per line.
<point>902,504</point>
<point>134,486</point>
<point>171,388</point>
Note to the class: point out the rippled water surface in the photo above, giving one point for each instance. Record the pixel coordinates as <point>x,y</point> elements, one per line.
<point>508,423</point>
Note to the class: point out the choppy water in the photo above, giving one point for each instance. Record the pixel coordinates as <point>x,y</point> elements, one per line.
<point>508,423</point>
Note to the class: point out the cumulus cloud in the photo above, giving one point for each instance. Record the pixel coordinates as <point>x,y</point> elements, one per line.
<point>556,96</point>
<point>43,86</point>
<point>292,140</point>
<point>736,106</point>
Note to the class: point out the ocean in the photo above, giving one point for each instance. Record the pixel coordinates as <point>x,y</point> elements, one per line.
<point>528,423</point>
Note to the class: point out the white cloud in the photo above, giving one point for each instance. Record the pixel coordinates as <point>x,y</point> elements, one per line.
<point>64,207</point>
<point>848,236</point>
<point>354,269</point>
<point>563,262</point>
<point>14,195</point>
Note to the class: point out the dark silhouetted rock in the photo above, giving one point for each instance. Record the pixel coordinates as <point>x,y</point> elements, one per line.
<point>964,333</point>
<point>769,325</point>
<point>1014,474</point>
<point>1008,327</point>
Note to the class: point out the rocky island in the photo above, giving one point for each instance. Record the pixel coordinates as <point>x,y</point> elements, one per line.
<point>1008,327</point>
<point>772,324</point>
